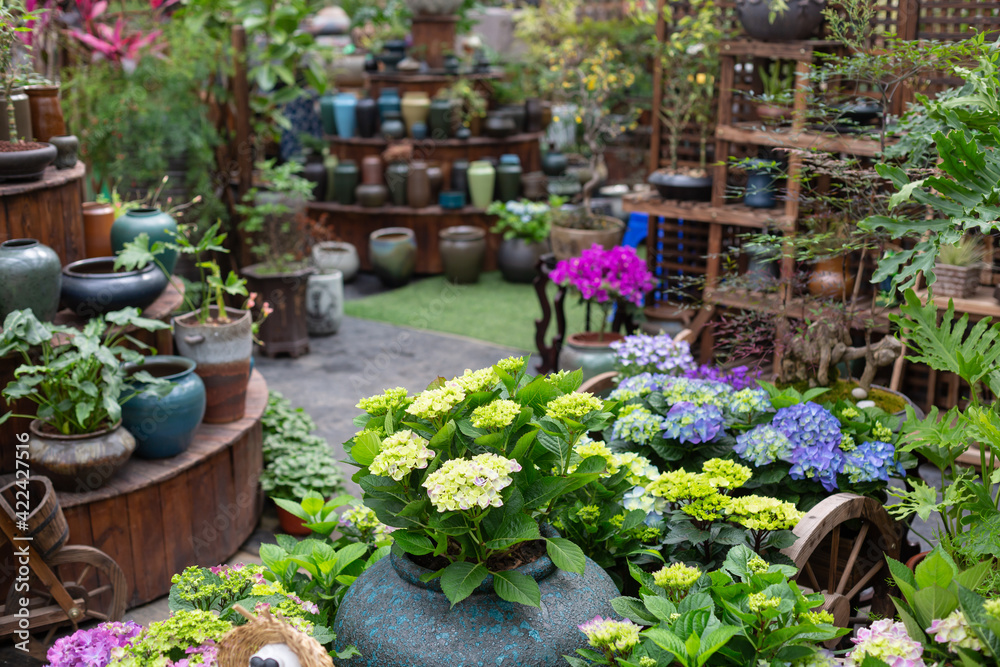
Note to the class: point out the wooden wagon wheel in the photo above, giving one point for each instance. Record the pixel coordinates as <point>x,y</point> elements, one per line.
<point>93,580</point>
<point>841,550</point>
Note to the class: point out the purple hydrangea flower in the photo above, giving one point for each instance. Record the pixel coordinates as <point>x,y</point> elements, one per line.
<point>739,377</point>
<point>643,353</point>
<point>87,648</point>
<point>687,422</point>
<point>815,433</point>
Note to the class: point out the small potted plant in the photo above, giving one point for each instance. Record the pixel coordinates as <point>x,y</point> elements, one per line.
<point>471,107</point>
<point>957,269</point>
<point>690,59</point>
<point>293,475</point>
<point>525,227</point>
<point>605,278</point>
<point>218,338</point>
<point>273,217</point>
<point>775,103</point>
<point>19,160</point>
<point>77,380</point>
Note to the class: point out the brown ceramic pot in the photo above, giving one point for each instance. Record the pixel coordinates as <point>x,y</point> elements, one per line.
<point>79,463</point>
<point>831,279</point>
<point>97,220</point>
<point>418,185</point>
<point>46,114</point>
<point>372,170</point>
<point>285,330</point>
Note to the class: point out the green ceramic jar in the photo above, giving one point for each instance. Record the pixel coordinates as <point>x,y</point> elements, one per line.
<point>482,178</point>
<point>345,181</point>
<point>153,222</point>
<point>30,277</point>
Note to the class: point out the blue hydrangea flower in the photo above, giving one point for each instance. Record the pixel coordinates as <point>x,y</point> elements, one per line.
<point>637,424</point>
<point>762,445</point>
<point>808,424</point>
<point>695,424</point>
<point>637,498</point>
<point>870,461</point>
<point>817,463</point>
<point>638,385</point>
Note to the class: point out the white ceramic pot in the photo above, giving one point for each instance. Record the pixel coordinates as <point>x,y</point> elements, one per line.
<point>330,256</point>
<point>324,303</point>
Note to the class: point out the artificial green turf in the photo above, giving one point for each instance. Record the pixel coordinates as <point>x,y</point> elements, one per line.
<point>491,310</point>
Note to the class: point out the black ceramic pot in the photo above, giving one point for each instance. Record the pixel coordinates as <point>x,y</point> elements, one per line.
<point>366,113</point>
<point>92,287</point>
<point>26,165</point>
<point>800,21</point>
<point>518,258</point>
<point>681,186</point>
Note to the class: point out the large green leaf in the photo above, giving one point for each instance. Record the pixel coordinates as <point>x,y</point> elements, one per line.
<point>366,448</point>
<point>516,587</point>
<point>412,542</point>
<point>459,580</point>
<point>565,554</point>
<point>634,610</point>
<point>515,528</point>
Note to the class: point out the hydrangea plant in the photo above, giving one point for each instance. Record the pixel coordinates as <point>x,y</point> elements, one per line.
<point>468,469</point>
<point>93,646</point>
<point>746,612</point>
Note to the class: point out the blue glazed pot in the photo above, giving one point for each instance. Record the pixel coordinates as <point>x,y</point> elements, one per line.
<point>760,185</point>
<point>396,620</point>
<point>344,112</point>
<point>389,101</point>
<point>92,286</point>
<point>164,426</point>
<point>153,222</point>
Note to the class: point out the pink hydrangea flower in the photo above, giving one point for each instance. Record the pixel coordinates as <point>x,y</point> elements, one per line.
<point>887,641</point>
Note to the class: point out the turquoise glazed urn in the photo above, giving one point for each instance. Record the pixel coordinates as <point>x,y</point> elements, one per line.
<point>396,620</point>
<point>164,426</point>
<point>153,222</point>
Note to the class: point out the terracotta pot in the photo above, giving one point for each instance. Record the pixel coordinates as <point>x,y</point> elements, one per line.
<point>291,524</point>
<point>534,185</point>
<point>46,113</point>
<point>371,170</point>
<point>436,177</point>
<point>222,352</point>
<point>830,279</point>
<point>463,249</point>
<point>589,352</point>
<point>568,242</point>
<point>915,560</point>
<point>418,185</point>
<point>284,331</point>
<point>79,463</point>
<point>773,114</point>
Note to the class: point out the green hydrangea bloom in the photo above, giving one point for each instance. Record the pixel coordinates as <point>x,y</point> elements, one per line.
<point>992,607</point>
<point>606,634</point>
<point>676,485</point>
<point>725,474</point>
<point>462,484</point>
<point>589,513</point>
<point>676,577</point>
<point>586,448</point>
<point>882,432</point>
<point>708,508</point>
<point>473,382</point>
<point>639,469</point>
<point>850,413</point>
<point>167,640</point>
<point>363,520</point>
<point>819,617</point>
<point>401,453</point>
<point>436,403</point>
<point>646,661</point>
<point>760,602</point>
<point>847,443</point>
<point>511,365</point>
<point>390,399</point>
<point>496,415</point>
<point>763,513</point>
<point>757,565</point>
<point>575,406</point>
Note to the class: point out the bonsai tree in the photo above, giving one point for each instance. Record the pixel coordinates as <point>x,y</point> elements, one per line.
<point>271,215</point>
<point>76,377</point>
<point>690,59</point>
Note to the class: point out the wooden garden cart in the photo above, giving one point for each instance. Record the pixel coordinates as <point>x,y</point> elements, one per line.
<point>51,585</point>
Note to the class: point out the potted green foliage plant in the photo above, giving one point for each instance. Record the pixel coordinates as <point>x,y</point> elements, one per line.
<point>525,227</point>
<point>470,472</point>
<point>957,269</point>
<point>19,160</point>
<point>273,213</point>
<point>294,475</point>
<point>217,337</point>
<point>77,380</point>
<point>690,62</point>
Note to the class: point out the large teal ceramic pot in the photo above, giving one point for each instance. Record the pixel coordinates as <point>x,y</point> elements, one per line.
<point>397,620</point>
<point>343,111</point>
<point>153,222</point>
<point>164,426</point>
<point>589,353</point>
<point>326,114</point>
<point>389,102</point>
<point>392,252</point>
<point>30,277</point>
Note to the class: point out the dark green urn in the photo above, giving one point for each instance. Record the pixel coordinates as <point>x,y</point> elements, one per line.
<point>30,277</point>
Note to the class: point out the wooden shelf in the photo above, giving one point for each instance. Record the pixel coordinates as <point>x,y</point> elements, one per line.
<point>447,143</point>
<point>784,137</point>
<point>983,304</point>
<point>800,50</point>
<point>797,308</point>
<point>436,211</point>
<point>731,214</point>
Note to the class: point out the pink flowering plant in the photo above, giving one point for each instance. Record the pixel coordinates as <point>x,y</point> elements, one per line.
<point>944,619</point>
<point>93,646</point>
<point>469,470</point>
<point>606,278</point>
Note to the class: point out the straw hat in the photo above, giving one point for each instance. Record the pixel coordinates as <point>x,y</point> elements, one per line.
<point>239,644</point>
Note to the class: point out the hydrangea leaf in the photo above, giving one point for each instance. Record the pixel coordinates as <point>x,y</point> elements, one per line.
<point>565,554</point>
<point>513,586</point>
<point>460,579</point>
